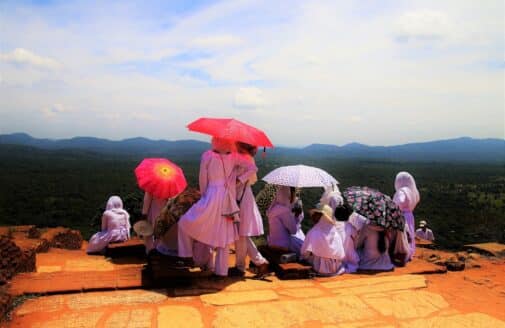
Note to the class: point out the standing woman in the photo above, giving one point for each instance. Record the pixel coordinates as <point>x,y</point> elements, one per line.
<point>251,223</point>
<point>151,209</point>
<point>115,226</point>
<point>285,216</point>
<point>212,220</point>
<point>407,197</point>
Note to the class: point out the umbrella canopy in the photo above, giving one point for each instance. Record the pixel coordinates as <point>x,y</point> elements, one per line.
<point>160,177</point>
<point>228,128</point>
<point>376,206</point>
<point>300,176</point>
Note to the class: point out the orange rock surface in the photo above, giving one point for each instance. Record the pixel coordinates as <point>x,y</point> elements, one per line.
<point>418,295</point>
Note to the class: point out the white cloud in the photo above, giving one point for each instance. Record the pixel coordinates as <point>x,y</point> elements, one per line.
<point>324,65</point>
<point>22,56</point>
<point>249,98</point>
<point>422,25</point>
<point>216,41</point>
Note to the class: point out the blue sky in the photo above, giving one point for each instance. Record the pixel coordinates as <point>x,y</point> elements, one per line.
<point>380,73</point>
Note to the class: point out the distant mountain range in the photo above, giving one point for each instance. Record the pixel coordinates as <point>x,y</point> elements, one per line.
<point>460,149</point>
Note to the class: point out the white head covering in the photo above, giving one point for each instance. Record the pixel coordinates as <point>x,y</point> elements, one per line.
<point>115,205</point>
<point>114,202</point>
<point>406,184</point>
<point>358,221</point>
<point>332,197</point>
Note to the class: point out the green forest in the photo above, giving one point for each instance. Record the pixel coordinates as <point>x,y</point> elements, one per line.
<point>462,202</point>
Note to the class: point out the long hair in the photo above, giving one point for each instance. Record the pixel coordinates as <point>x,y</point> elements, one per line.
<point>381,242</point>
<point>243,147</point>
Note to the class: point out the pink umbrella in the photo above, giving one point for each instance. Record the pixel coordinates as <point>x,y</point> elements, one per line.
<point>160,177</point>
<point>228,128</point>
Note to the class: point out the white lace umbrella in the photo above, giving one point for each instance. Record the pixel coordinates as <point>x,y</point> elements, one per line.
<point>300,176</point>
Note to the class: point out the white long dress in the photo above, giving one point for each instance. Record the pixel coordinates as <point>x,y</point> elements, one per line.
<point>324,249</point>
<point>352,228</point>
<point>211,219</point>
<point>115,226</point>
<point>407,197</point>
<point>251,223</point>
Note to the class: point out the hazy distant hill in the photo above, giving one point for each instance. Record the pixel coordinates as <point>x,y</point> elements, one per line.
<point>460,149</point>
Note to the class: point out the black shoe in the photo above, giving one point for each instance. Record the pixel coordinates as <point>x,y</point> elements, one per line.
<point>235,272</point>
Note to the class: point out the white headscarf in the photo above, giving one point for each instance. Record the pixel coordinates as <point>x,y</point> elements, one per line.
<point>115,205</point>
<point>332,197</point>
<point>405,183</point>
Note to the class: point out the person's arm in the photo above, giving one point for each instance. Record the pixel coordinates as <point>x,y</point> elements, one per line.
<point>400,199</point>
<point>289,221</point>
<point>203,177</point>
<point>148,198</point>
<point>104,222</point>
<point>361,239</point>
<point>431,236</point>
<point>249,167</point>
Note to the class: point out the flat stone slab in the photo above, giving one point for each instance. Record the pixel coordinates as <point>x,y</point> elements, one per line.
<point>292,313</point>
<point>179,316</point>
<point>302,292</point>
<point>139,318</point>
<point>71,320</point>
<point>406,304</point>
<point>469,320</point>
<point>494,249</point>
<point>229,298</point>
<point>63,281</point>
<point>376,284</point>
<point>121,297</point>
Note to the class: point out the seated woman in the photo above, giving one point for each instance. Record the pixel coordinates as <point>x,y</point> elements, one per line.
<point>373,249</point>
<point>323,247</point>
<point>115,226</point>
<point>285,216</point>
<point>349,224</point>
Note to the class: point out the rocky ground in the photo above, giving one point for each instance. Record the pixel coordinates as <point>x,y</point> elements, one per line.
<point>423,294</point>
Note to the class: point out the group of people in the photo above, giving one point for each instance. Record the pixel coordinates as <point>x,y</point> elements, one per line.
<point>339,241</point>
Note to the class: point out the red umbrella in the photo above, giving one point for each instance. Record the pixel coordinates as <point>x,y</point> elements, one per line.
<point>160,177</point>
<point>228,128</point>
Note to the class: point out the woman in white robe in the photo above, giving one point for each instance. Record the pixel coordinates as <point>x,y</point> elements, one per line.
<point>251,222</point>
<point>115,226</point>
<point>407,197</point>
<point>323,246</point>
<point>349,224</point>
<point>285,221</point>
<point>212,219</point>
<point>373,249</point>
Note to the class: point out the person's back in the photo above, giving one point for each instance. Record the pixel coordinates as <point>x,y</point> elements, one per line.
<point>372,257</point>
<point>323,246</point>
<point>425,233</point>
<point>284,222</point>
<point>116,221</point>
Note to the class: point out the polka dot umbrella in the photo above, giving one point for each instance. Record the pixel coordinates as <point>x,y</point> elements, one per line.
<point>160,177</point>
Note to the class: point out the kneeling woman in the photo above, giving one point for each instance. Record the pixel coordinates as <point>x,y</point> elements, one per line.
<point>115,226</point>
<point>285,216</point>
<point>323,247</point>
